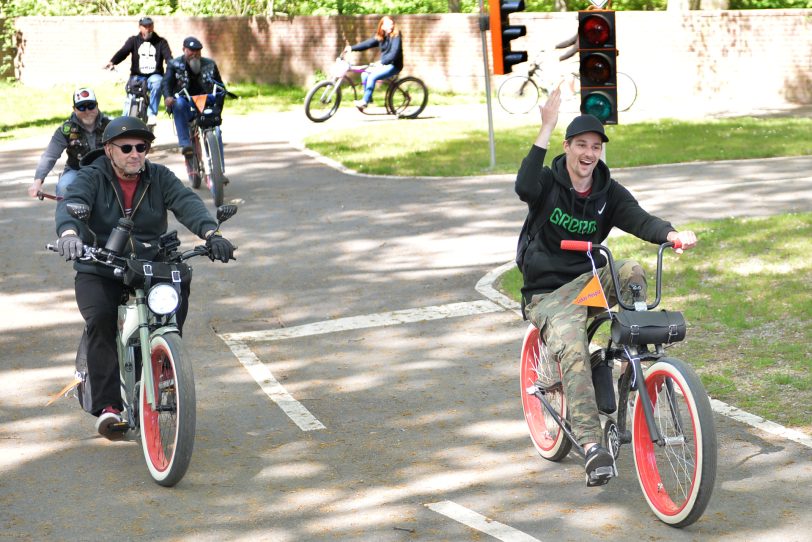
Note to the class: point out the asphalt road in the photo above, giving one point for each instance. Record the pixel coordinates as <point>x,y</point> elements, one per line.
<point>352,384</point>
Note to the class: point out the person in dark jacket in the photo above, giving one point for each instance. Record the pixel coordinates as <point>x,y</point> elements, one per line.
<point>120,182</point>
<point>148,53</point>
<point>197,75</point>
<point>388,38</point>
<point>78,135</point>
<point>589,203</point>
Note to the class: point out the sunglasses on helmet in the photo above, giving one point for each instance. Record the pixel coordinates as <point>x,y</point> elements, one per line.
<point>86,107</point>
<point>128,148</point>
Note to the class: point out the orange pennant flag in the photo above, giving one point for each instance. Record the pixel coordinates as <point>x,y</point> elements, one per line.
<point>591,295</point>
<point>200,101</point>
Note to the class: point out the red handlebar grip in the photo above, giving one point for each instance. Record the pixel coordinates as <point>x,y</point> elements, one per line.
<point>677,244</point>
<point>578,246</point>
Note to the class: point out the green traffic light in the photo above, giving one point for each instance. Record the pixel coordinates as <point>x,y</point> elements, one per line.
<point>597,104</point>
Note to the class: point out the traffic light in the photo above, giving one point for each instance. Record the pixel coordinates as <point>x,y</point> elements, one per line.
<point>597,46</point>
<point>502,33</point>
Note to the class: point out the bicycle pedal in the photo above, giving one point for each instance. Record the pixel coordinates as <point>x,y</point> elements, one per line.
<point>601,476</point>
<point>119,427</point>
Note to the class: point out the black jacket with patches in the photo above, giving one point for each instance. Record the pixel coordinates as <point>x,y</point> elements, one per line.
<point>546,266</point>
<point>158,191</point>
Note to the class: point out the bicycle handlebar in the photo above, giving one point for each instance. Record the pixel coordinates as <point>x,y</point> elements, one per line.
<point>588,246</point>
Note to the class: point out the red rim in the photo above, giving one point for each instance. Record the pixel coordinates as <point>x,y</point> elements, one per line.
<point>545,438</point>
<point>658,492</point>
<point>156,443</point>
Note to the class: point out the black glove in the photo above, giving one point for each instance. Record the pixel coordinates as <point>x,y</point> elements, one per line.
<point>220,248</point>
<point>70,246</point>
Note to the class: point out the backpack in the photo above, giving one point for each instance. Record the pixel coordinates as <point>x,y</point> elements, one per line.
<point>529,232</point>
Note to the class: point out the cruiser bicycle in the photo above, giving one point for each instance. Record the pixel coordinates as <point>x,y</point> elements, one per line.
<point>662,410</point>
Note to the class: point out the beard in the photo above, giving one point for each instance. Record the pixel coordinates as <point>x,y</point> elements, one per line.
<point>194,65</point>
<point>147,36</point>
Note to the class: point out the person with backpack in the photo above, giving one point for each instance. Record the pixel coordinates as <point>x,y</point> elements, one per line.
<point>577,198</point>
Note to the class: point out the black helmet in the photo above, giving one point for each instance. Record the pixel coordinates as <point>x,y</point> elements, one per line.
<point>126,126</point>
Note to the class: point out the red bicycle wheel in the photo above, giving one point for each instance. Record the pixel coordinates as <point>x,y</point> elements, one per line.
<point>168,429</point>
<point>676,474</point>
<point>539,369</point>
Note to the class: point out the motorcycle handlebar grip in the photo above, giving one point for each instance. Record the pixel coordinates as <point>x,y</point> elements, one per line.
<point>577,246</point>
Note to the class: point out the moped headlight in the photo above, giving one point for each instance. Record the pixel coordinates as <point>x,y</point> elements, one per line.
<point>163,299</point>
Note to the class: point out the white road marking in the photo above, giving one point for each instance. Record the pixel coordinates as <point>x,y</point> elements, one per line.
<point>424,314</point>
<point>297,412</point>
<point>479,522</point>
<point>271,386</point>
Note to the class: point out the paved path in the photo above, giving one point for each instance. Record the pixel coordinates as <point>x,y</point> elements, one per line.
<point>353,298</point>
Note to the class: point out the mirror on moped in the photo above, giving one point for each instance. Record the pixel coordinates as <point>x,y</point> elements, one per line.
<point>224,212</point>
<point>79,211</point>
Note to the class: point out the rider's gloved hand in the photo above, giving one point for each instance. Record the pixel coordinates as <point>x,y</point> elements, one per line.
<point>220,248</point>
<point>70,246</point>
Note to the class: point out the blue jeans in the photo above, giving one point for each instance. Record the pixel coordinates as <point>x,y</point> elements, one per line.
<point>373,75</point>
<point>154,85</point>
<point>67,177</point>
<point>184,111</point>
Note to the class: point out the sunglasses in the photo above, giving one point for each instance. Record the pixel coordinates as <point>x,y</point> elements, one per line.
<point>86,107</point>
<point>128,148</point>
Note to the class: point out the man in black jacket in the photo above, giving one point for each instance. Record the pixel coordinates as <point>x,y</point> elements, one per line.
<point>121,182</point>
<point>197,75</point>
<point>589,203</point>
<point>148,53</point>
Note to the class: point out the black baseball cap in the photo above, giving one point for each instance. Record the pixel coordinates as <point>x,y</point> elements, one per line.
<point>145,21</point>
<point>583,124</point>
<point>192,43</point>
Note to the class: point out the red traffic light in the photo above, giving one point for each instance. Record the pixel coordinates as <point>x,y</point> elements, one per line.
<point>596,31</point>
<point>596,69</point>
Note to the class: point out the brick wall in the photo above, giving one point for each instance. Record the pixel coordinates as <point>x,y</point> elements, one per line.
<point>710,60</point>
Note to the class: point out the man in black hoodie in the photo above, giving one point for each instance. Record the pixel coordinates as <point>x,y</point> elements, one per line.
<point>148,53</point>
<point>588,204</point>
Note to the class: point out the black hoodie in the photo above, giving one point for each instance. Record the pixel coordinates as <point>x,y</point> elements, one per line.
<point>546,266</point>
<point>148,56</point>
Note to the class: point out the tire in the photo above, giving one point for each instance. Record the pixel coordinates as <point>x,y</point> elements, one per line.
<point>677,478</point>
<point>626,91</point>
<point>548,438</point>
<point>168,435</point>
<point>407,97</point>
<point>322,101</point>
<point>518,94</point>
<point>193,162</point>
<point>216,178</point>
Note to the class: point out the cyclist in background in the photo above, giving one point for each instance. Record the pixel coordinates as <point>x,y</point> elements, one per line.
<point>149,52</point>
<point>388,38</point>
<point>78,135</point>
<point>197,75</point>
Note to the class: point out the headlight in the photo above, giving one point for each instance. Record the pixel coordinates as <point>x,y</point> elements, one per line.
<point>163,299</point>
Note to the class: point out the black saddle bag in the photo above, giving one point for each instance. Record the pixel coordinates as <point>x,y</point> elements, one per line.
<point>648,327</point>
<point>144,274</point>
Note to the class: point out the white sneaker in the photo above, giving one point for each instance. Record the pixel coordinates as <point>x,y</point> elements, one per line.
<point>104,425</point>
<point>361,104</point>
<point>152,120</point>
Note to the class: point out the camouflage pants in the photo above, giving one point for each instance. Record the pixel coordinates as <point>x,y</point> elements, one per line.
<point>563,329</point>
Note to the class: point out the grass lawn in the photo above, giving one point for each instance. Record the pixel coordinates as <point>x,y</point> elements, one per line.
<point>744,291</point>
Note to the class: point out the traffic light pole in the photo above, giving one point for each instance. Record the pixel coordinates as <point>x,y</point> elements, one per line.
<point>484,25</point>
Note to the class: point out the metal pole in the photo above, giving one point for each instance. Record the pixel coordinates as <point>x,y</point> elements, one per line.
<point>484,24</point>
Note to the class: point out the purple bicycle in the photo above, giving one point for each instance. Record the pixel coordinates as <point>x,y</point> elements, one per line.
<point>405,97</point>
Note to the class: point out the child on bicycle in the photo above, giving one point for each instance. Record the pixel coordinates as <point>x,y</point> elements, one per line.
<point>388,38</point>
<point>589,203</point>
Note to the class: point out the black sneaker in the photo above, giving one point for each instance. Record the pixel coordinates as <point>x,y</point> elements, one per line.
<point>599,466</point>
